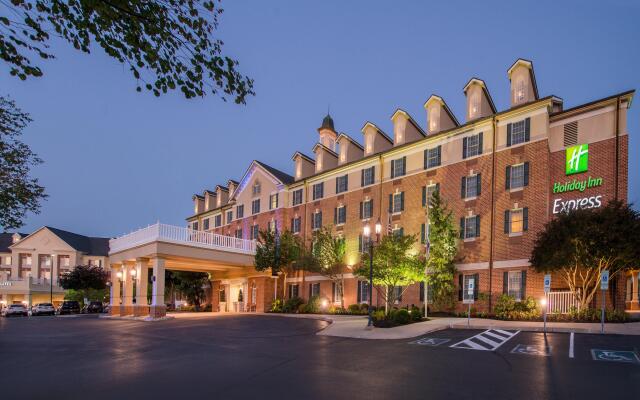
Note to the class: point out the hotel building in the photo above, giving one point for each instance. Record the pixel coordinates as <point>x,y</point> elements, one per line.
<point>27,263</point>
<point>503,174</point>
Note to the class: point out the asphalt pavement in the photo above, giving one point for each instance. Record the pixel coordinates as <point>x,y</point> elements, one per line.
<point>266,357</point>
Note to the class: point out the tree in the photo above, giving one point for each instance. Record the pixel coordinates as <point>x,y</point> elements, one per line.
<point>327,257</point>
<point>396,264</point>
<point>191,285</point>
<point>85,281</point>
<point>581,244</point>
<point>19,192</point>
<point>443,247</point>
<point>165,44</point>
<point>279,252</point>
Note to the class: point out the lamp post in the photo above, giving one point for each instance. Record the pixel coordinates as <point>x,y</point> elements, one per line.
<point>367,234</point>
<point>53,262</point>
<point>119,275</point>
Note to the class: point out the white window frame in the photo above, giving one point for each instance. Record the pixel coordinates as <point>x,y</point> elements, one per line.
<point>318,191</point>
<point>514,278</point>
<point>240,211</point>
<point>217,221</point>
<point>368,176</point>
<point>364,208</point>
<point>229,216</point>
<point>513,222</point>
<point>297,197</point>
<point>297,223</point>
<point>518,134</point>
<point>294,287</point>
<point>432,157</point>
<point>475,146</point>
<point>470,228</point>
<point>255,210</point>
<point>398,169</point>
<point>313,287</point>
<point>341,209</point>
<point>315,215</point>
<point>337,295</point>
<point>397,203</point>
<point>473,179</point>
<point>513,184</point>
<point>465,288</point>
<point>364,291</point>
<point>273,201</point>
<point>256,189</point>
<point>342,184</point>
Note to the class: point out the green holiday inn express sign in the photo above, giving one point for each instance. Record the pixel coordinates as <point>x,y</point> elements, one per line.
<point>576,161</point>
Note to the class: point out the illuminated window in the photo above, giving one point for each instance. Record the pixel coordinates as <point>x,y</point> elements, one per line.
<point>515,284</point>
<point>273,201</point>
<point>255,206</point>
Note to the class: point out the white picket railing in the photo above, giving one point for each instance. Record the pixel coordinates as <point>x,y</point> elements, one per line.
<point>560,302</point>
<point>177,234</point>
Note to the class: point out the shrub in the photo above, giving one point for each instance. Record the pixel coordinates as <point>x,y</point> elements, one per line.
<point>313,306</point>
<point>416,314</point>
<point>510,309</point>
<point>364,308</point>
<point>354,309</point>
<point>292,304</point>
<point>276,306</point>
<point>401,317</point>
<point>379,315</point>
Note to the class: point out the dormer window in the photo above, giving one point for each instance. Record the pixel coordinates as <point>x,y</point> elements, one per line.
<point>519,92</point>
<point>434,119</point>
<point>474,106</point>
<point>369,144</point>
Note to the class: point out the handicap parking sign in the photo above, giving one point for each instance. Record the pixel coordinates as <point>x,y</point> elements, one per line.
<point>430,341</point>
<point>615,356</point>
<point>532,350</point>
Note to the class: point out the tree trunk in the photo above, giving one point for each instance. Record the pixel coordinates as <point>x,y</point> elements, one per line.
<point>342,290</point>
<point>284,286</point>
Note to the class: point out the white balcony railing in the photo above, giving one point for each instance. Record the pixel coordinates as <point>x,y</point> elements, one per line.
<point>561,302</point>
<point>180,235</point>
<point>29,283</point>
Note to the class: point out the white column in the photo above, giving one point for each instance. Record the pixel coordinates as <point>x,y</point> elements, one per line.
<point>55,261</point>
<point>127,285</point>
<point>142,277</point>
<point>115,287</point>
<point>157,298</point>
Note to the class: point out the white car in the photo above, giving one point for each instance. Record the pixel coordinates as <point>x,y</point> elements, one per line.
<point>15,309</point>
<point>43,309</point>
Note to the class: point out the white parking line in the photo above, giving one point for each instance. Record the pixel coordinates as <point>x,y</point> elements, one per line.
<point>571,346</point>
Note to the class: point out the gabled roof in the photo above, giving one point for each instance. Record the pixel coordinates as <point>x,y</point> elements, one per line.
<point>223,188</point>
<point>439,99</point>
<point>211,192</point>
<point>349,138</point>
<point>6,240</point>
<point>410,118</point>
<point>528,64</point>
<point>279,175</point>
<point>484,90</point>
<point>323,147</point>
<point>94,246</point>
<point>233,181</point>
<point>301,154</point>
<point>199,196</point>
<point>380,131</point>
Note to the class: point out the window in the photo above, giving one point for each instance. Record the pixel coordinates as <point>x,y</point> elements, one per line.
<point>239,233</point>
<point>517,176</point>
<point>218,220</point>
<point>195,225</point>
<point>363,244</point>
<point>463,286</point>
<point>64,261</point>
<point>366,209</point>
<point>272,226</point>
<point>518,132</point>
<point>222,295</point>
<point>295,224</point>
<point>205,224</point>
<point>254,294</point>
<point>424,232</point>
<point>516,221</point>
<point>240,211</point>
<point>229,216</point>
<point>7,260</point>
<point>342,183</point>
<point>519,93</point>
<point>432,157</point>
<point>397,294</point>
<point>314,289</point>
<point>363,292</point>
<point>255,229</point>
<point>340,215</point>
<point>273,201</point>
<point>316,221</point>
<point>427,193</point>
<point>474,105</point>
<point>318,191</point>
<point>336,293</point>
<point>256,189</point>
<point>397,231</point>
<point>294,291</point>
<point>472,145</point>
<point>368,176</point>
<point>470,186</point>
<point>470,227</point>
<point>398,167</point>
<point>297,197</point>
<point>396,202</point>
<point>515,284</point>
<point>255,206</point>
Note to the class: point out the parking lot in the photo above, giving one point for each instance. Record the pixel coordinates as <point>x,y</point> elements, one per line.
<point>249,356</point>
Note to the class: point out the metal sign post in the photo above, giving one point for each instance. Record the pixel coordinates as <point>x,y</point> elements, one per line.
<point>471,300</point>
<point>547,289</point>
<point>604,286</point>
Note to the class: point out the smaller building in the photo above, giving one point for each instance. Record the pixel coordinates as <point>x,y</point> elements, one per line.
<point>28,263</point>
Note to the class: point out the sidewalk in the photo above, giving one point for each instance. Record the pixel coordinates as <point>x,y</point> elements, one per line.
<point>356,327</point>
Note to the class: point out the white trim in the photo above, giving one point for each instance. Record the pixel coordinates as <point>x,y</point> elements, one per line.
<point>523,262</point>
<point>317,278</point>
<point>519,117</point>
<point>472,266</point>
<point>578,117</point>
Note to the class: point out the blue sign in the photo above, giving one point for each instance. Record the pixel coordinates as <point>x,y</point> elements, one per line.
<point>615,356</point>
<point>604,280</point>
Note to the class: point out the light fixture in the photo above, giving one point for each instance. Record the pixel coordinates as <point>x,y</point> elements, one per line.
<point>378,227</point>
<point>543,302</point>
<point>119,274</point>
<point>324,303</point>
<point>133,272</point>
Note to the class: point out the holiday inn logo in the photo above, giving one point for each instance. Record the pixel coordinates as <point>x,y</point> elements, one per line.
<point>577,159</point>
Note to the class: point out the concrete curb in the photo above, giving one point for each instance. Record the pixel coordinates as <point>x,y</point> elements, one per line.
<point>132,318</point>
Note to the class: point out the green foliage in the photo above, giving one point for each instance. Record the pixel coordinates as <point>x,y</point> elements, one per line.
<point>313,305</point>
<point>395,263</point>
<point>84,277</point>
<point>166,45</point>
<point>292,305</point>
<point>327,256</point>
<point>191,285</point>
<point>401,317</point>
<point>443,247</point>
<point>416,314</point>
<point>354,309</point>
<point>89,294</point>
<point>582,243</point>
<point>19,192</point>
<point>379,315</point>
<point>277,306</point>
<point>278,251</point>
<point>508,308</point>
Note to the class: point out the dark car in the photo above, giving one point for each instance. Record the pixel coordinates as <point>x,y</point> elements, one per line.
<point>69,307</point>
<point>94,307</point>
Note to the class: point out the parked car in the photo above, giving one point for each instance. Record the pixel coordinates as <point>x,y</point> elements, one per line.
<point>15,309</point>
<point>43,309</point>
<point>93,307</point>
<point>69,307</point>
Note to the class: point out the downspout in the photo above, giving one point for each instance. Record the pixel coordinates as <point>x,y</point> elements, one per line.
<point>379,219</point>
<point>493,206</point>
<point>617,127</point>
<point>304,234</point>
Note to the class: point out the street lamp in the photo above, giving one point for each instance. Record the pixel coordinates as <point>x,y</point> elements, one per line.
<point>53,262</point>
<point>367,234</point>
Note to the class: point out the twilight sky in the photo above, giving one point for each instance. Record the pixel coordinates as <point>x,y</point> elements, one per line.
<point>116,159</point>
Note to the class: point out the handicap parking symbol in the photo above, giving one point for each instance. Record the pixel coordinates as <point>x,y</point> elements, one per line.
<point>615,356</point>
<point>532,350</point>
<point>431,341</point>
